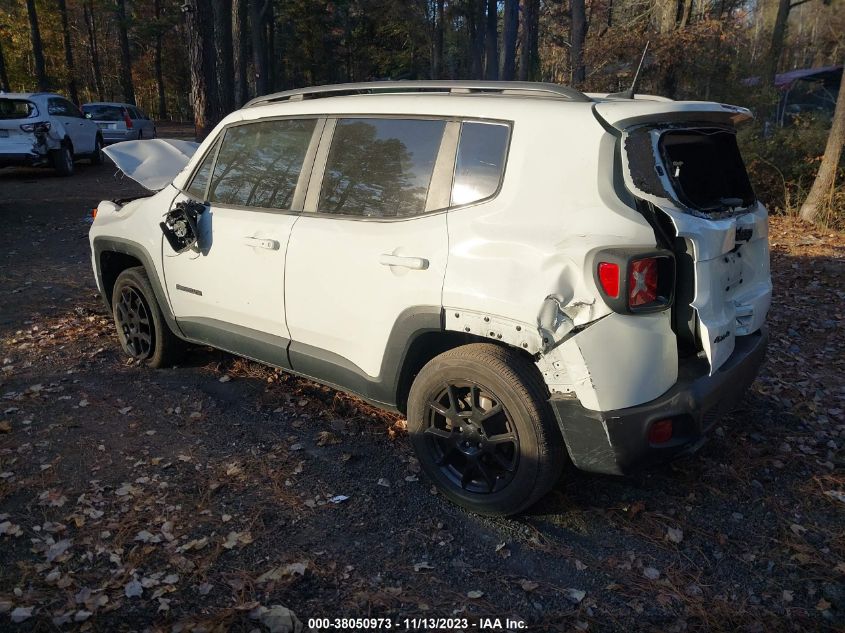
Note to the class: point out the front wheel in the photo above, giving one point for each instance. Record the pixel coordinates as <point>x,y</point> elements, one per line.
<point>483,430</point>
<point>143,333</point>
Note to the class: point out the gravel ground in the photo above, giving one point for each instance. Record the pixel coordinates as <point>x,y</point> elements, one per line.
<point>206,497</point>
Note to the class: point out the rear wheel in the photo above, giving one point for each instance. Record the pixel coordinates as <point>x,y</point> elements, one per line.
<point>63,160</point>
<point>143,333</point>
<point>483,430</point>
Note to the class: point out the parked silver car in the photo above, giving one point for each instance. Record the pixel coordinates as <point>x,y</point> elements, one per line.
<point>120,121</point>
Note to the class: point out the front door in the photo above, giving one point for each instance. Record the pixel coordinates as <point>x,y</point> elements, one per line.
<point>370,246</point>
<point>229,290</point>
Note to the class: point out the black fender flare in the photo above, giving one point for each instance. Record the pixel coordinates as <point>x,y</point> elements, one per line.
<point>134,249</point>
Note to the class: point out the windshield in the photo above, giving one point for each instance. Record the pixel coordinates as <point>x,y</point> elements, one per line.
<point>17,109</point>
<point>104,112</point>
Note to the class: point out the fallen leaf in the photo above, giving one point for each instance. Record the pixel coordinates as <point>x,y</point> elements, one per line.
<point>279,619</point>
<point>277,573</point>
<point>474,594</point>
<point>58,549</point>
<point>10,529</point>
<point>822,605</point>
<point>21,614</point>
<point>133,589</point>
<point>579,565</point>
<point>5,426</point>
<point>675,535</point>
<point>575,595</point>
<point>338,498</point>
<point>423,565</point>
<point>651,573</point>
<point>327,438</point>
<point>528,585</point>
<point>787,595</point>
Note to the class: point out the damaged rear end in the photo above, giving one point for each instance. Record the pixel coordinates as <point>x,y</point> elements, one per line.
<point>26,137</point>
<point>681,164</point>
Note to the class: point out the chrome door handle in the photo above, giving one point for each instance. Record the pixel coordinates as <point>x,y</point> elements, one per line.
<point>414,263</point>
<point>260,242</point>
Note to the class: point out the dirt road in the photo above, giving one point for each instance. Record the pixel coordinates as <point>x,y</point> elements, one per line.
<point>206,497</point>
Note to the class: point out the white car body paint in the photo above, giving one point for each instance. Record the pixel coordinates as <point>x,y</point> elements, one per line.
<point>493,266</point>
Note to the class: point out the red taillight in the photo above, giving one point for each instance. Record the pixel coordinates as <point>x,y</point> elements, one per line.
<point>642,282</point>
<point>127,120</point>
<point>609,278</point>
<point>660,432</point>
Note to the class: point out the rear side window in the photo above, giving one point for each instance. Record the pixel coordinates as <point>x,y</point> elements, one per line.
<point>16,109</point>
<point>200,182</point>
<point>380,168</point>
<point>480,162</point>
<point>258,164</point>
<point>62,107</point>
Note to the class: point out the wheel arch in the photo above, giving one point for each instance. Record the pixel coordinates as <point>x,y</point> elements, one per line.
<point>424,344</point>
<point>114,255</point>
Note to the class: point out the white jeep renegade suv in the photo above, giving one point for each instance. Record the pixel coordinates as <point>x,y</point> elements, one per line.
<point>525,271</point>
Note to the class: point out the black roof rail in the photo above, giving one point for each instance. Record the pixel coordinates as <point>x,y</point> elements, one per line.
<point>523,88</point>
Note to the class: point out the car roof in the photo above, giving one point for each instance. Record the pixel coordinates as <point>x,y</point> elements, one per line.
<point>28,95</point>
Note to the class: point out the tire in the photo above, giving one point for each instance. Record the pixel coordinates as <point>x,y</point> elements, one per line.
<point>63,160</point>
<point>97,156</point>
<point>506,450</point>
<point>143,333</point>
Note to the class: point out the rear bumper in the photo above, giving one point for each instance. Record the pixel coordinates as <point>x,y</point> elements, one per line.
<point>118,136</point>
<point>616,442</point>
<point>21,159</point>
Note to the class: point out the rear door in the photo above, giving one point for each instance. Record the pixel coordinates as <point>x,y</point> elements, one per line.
<point>372,244</point>
<point>229,290</point>
<point>82,132</point>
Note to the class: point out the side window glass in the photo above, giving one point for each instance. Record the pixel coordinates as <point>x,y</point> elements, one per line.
<point>54,106</point>
<point>200,180</point>
<point>380,168</point>
<point>480,162</point>
<point>259,163</point>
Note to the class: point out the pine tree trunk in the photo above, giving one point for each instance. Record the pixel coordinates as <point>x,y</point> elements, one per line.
<point>225,60</point>
<point>93,51</point>
<point>257,26</point>
<point>578,37</point>
<point>199,27</point>
<point>476,20</point>
<point>776,44</point>
<point>240,51</point>
<point>157,69</point>
<point>41,80</point>
<point>529,62</point>
<point>491,69</point>
<point>510,30</point>
<point>125,54</point>
<point>822,187</point>
<point>4,77</point>
<point>437,65</point>
<point>71,84</point>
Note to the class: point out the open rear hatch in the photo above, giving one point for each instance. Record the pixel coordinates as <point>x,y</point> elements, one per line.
<point>682,162</point>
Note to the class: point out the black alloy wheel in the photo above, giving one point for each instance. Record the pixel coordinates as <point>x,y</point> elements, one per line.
<point>473,438</point>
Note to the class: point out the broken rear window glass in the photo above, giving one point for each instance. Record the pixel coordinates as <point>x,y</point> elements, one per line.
<point>104,112</point>
<point>480,162</point>
<point>258,164</point>
<point>16,109</point>
<point>706,169</point>
<point>380,168</point>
